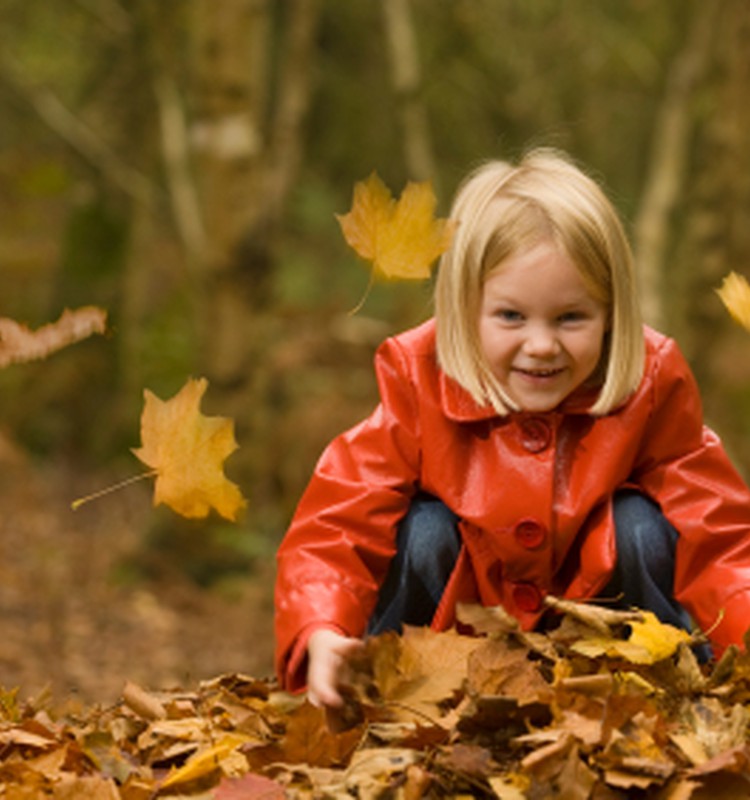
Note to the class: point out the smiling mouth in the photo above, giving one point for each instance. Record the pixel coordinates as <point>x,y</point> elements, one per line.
<point>539,373</point>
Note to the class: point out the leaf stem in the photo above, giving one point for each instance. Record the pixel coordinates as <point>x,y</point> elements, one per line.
<point>76,504</point>
<point>368,289</point>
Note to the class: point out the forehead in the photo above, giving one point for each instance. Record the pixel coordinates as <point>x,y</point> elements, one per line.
<point>544,270</point>
<point>542,264</point>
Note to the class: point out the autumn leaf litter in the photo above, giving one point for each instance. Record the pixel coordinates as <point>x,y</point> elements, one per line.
<point>499,713</point>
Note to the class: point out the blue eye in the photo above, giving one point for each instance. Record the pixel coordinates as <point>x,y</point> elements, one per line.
<point>508,315</point>
<point>572,316</point>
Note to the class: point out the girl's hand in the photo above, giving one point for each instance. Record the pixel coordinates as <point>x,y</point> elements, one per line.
<point>328,653</point>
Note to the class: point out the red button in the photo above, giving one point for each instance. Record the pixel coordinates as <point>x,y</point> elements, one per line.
<point>527,597</point>
<point>536,434</point>
<point>530,534</point>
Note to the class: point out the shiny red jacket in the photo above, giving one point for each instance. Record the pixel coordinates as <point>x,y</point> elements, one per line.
<point>533,491</point>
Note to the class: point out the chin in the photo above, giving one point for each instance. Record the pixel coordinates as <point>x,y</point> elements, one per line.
<point>537,405</point>
<point>538,408</point>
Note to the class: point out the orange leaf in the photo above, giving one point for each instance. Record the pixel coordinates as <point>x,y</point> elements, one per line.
<point>420,670</point>
<point>187,451</point>
<point>308,739</point>
<point>401,238</point>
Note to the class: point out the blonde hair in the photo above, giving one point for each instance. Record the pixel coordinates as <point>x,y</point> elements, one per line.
<point>501,210</point>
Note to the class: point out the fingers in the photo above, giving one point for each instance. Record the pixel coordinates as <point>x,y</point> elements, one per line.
<point>328,653</point>
<point>323,696</point>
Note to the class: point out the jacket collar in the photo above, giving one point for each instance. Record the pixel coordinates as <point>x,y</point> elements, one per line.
<point>459,405</point>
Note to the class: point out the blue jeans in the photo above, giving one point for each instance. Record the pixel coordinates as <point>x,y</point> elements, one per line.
<point>428,544</point>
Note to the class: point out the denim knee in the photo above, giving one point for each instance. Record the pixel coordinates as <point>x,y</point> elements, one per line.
<point>644,570</point>
<point>428,537</point>
<point>644,535</point>
<point>428,544</point>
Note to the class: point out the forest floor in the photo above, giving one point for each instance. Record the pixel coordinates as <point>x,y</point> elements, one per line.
<point>68,626</point>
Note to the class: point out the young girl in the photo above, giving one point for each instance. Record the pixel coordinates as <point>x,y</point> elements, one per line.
<point>534,438</point>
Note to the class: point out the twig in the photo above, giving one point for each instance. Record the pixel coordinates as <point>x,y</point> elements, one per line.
<point>78,135</point>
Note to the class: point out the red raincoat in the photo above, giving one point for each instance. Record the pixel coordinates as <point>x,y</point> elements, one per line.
<point>534,494</point>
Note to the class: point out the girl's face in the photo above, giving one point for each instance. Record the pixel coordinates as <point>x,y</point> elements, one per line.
<point>540,329</point>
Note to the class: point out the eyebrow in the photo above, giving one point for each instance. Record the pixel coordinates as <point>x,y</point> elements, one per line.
<point>582,299</point>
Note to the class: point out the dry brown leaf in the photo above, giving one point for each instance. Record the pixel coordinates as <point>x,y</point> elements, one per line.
<point>599,618</point>
<point>187,450</point>
<point>498,667</point>
<point>576,779</point>
<point>142,702</point>
<point>19,344</point>
<point>87,787</point>
<point>432,668</point>
<point>466,760</point>
<point>309,741</point>
<point>487,619</point>
<point>495,621</point>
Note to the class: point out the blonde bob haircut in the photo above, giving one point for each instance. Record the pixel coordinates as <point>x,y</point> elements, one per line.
<point>501,210</point>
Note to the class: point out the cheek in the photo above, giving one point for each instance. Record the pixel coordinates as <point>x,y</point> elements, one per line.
<point>496,345</point>
<point>485,339</point>
<point>485,345</point>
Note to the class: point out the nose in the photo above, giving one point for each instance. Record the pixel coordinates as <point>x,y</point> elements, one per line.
<point>541,342</point>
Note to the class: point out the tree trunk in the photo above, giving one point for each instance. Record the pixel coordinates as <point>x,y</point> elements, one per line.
<point>668,162</point>
<point>229,84</point>
<point>407,84</point>
<point>292,101</point>
<point>245,167</point>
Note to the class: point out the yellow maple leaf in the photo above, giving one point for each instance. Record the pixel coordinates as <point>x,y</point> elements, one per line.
<point>650,641</point>
<point>186,450</point>
<point>400,238</point>
<point>735,294</point>
<point>659,639</point>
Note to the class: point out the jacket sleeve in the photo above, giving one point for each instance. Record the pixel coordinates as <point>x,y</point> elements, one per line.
<point>342,537</point>
<point>685,468</point>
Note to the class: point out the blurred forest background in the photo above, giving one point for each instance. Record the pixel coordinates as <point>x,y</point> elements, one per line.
<point>180,164</point>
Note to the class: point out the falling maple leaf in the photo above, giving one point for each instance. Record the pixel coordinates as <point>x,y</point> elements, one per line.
<point>400,238</point>
<point>735,294</point>
<point>186,450</point>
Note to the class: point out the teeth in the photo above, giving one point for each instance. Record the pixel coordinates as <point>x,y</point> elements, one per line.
<point>541,373</point>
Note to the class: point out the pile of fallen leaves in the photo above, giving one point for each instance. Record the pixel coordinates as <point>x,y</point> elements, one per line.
<point>606,705</point>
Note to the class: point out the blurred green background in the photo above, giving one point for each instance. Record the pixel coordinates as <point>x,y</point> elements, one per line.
<point>180,163</point>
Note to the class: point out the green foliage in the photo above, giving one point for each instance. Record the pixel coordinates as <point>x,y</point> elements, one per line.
<point>93,254</point>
